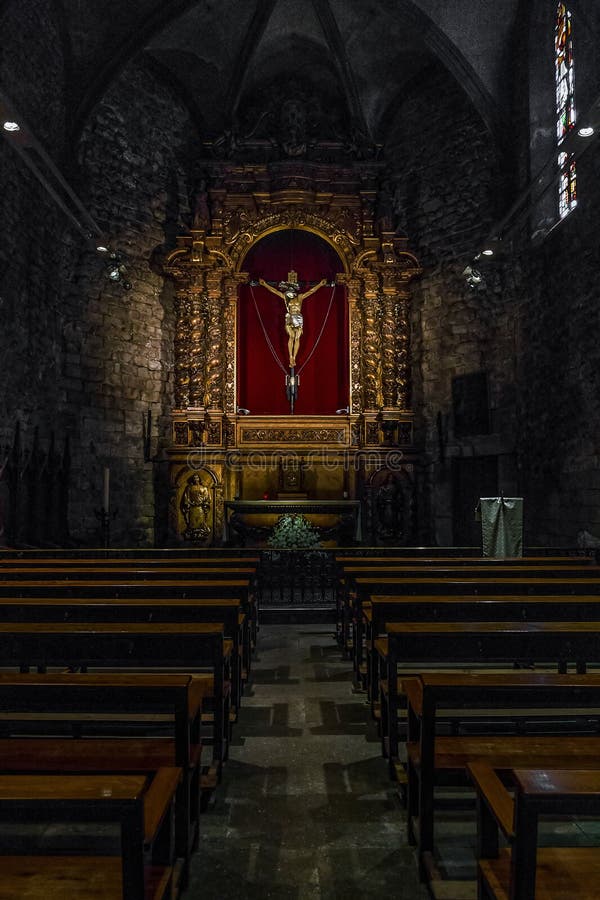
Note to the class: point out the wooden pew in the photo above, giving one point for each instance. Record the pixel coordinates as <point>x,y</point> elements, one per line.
<point>510,608</point>
<point>108,609</point>
<point>155,589</point>
<point>355,565</point>
<point>523,870</point>
<point>110,709</point>
<point>533,581</point>
<point>528,696</point>
<point>185,647</point>
<point>128,561</point>
<point>130,573</point>
<point>426,560</point>
<point>141,807</point>
<point>475,643</point>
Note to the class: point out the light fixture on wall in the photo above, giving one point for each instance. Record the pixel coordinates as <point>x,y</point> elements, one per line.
<point>117,270</point>
<point>9,125</point>
<point>242,411</point>
<point>585,131</point>
<point>473,277</point>
<point>344,411</point>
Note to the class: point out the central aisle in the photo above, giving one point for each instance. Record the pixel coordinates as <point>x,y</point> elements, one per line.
<point>305,809</point>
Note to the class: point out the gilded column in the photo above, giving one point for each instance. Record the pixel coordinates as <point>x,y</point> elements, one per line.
<point>389,369</point>
<point>198,350</point>
<point>403,399</point>
<point>230,327</point>
<point>183,315</point>
<point>215,358</point>
<point>353,286</point>
<point>371,344</point>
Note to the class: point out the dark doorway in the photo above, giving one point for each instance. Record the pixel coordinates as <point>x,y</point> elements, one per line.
<point>472,477</point>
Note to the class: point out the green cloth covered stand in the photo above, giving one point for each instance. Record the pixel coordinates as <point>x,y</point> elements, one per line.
<point>501,525</point>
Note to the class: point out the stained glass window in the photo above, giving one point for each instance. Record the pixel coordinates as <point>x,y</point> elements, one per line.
<point>565,107</point>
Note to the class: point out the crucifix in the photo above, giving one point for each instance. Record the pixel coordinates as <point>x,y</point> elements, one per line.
<point>289,291</point>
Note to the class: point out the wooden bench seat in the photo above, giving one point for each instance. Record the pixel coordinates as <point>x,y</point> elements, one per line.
<point>142,807</point>
<point>428,643</point>
<point>524,871</point>
<point>177,647</point>
<point>126,561</point>
<point>512,608</point>
<point>81,877</point>
<point>108,708</point>
<point>108,609</point>
<point>359,586</point>
<point>433,759</point>
<point>164,588</point>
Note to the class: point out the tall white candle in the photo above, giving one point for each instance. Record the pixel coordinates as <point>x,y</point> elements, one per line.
<point>106,490</point>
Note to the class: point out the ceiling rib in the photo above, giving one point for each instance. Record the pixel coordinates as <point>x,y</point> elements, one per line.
<point>163,14</point>
<point>334,39</point>
<point>256,29</point>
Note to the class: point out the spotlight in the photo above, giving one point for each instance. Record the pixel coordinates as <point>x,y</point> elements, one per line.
<point>243,412</point>
<point>488,251</point>
<point>344,411</point>
<point>585,131</point>
<point>11,126</point>
<point>473,277</point>
<point>101,248</point>
<point>117,270</point>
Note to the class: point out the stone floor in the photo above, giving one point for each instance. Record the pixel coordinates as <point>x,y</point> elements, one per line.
<point>305,809</point>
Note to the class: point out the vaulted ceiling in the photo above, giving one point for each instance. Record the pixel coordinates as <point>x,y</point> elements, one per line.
<point>223,54</point>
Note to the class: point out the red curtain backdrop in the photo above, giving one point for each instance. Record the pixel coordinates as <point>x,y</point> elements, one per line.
<point>261,381</point>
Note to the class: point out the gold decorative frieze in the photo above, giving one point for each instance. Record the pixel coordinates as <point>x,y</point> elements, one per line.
<point>328,432</point>
<point>292,435</point>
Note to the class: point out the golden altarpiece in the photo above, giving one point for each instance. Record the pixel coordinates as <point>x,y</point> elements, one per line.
<point>353,470</point>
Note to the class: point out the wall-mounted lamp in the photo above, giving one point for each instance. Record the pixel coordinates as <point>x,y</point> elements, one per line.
<point>241,411</point>
<point>117,270</point>
<point>344,411</point>
<point>473,277</point>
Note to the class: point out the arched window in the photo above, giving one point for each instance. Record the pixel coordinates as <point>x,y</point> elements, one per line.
<point>565,107</point>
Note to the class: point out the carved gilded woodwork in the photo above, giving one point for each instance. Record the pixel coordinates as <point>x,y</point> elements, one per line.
<point>197,354</point>
<point>230,331</point>
<point>215,354</point>
<point>388,351</point>
<point>180,433</point>
<point>402,400</point>
<point>245,203</point>
<point>252,202</point>
<point>292,435</point>
<point>183,328</point>
<point>371,347</point>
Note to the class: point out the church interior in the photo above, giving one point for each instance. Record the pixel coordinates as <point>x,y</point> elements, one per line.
<point>299,593</point>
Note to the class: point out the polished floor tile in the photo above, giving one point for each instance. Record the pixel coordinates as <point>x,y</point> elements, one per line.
<point>305,809</point>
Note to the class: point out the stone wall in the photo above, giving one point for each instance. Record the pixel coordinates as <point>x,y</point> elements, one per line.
<point>37,246</point>
<point>559,371</point>
<point>133,157</point>
<point>449,181</point>
<point>81,356</point>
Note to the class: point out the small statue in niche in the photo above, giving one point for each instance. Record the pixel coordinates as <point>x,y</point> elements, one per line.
<point>293,127</point>
<point>195,506</point>
<point>389,508</point>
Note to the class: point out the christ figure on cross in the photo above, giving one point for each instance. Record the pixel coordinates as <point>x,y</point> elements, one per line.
<point>289,291</point>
